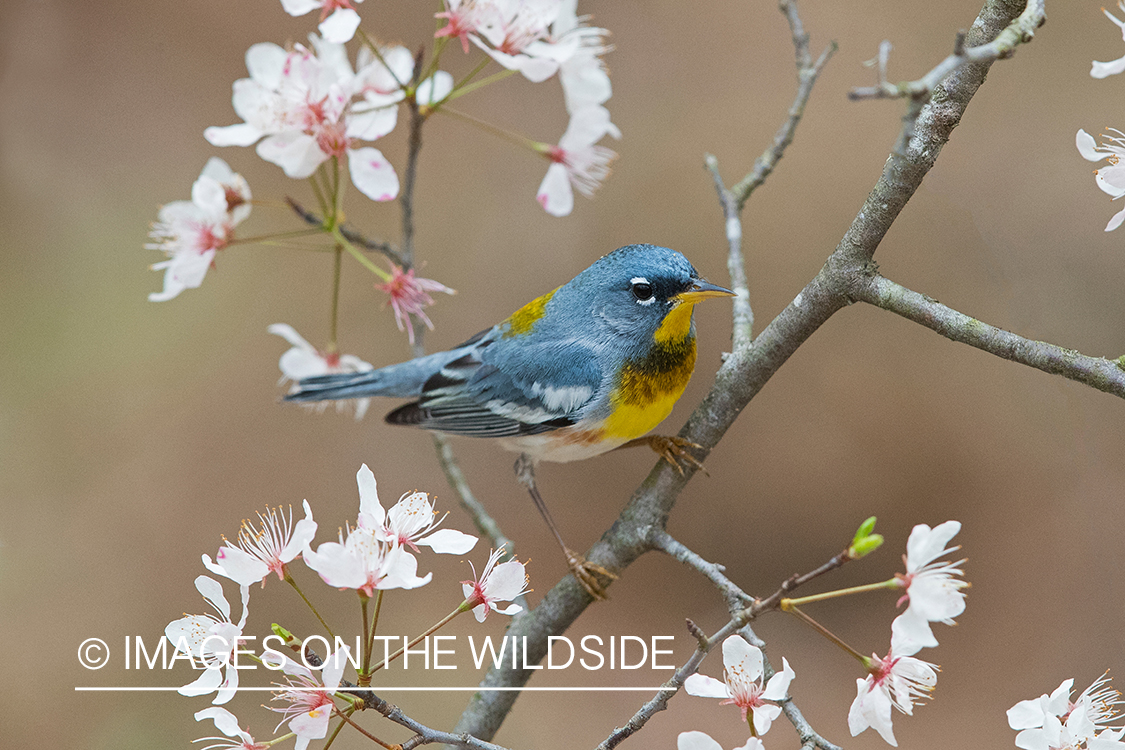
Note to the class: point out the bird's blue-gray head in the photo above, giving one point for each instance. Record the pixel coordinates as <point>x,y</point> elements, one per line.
<point>634,290</point>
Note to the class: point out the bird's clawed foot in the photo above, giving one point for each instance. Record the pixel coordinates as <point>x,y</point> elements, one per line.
<point>587,574</point>
<point>672,449</point>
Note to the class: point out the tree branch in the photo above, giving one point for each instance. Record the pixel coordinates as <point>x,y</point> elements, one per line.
<point>1104,374</point>
<point>746,370</point>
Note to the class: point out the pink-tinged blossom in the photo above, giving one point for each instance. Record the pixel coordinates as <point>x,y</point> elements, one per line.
<point>265,550</point>
<point>227,723</point>
<point>896,680</point>
<point>310,700</point>
<point>577,162</point>
<point>366,561</point>
<point>191,232</point>
<point>703,741</point>
<point>496,583</point>
<point>1110,178</point>
<point>304,360</point>
<point>515,34</point>
<point>338,18</point>
<point>411,522</point>
<point>1106,69</point>
<point>298,107</point>
<point>743,685</point>
<point>1053,722</point>
<point>410,295</point>
<point>212,641</point>
<point>463,17</point>
<point>931,588</point>
<point>583,75</point>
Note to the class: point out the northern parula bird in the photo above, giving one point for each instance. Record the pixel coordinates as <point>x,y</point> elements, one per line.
<point>589,367</point>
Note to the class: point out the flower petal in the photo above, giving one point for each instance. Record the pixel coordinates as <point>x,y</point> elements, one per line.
<point>340,26</point>
<point>449,542</point>
<point>706,687</point>
<point>373,174</point>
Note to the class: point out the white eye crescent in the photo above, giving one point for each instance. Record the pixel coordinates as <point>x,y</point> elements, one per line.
<point>642,290</point>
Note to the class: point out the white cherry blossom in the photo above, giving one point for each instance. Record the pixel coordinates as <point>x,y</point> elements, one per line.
<point>310,700</point>
<point>260,552</point>
<point>576,162</point>
<point>496,583</point>
<point>1106,69</point>
<point>742,684</point>
<point>1110,178</point>
<point>227,723</point>
<point>338,18</point>
<point>212,641</point>
<point>930,585</point>
<point>1052,722</point>
<point>297,106</point>
<point>897,680</point>
<point>411,522</point>
<point>703,741</point>
<point>191,232</point>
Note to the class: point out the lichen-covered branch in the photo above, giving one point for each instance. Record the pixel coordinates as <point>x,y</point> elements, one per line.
<point>748,367</point>
<point>1104,374</point>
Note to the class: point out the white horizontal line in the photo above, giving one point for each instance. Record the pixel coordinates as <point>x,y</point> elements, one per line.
<point>386,689</point>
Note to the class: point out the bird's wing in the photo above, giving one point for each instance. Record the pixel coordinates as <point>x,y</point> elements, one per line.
<point>506,389</point>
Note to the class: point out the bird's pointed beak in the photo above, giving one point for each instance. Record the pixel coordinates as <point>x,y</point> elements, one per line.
<point>701,290</point>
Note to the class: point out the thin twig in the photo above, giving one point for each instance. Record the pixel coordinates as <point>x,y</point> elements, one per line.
<point>355,237</point>
<point>1104,374</point>
<point>735,597</point>
<point>739,623</point>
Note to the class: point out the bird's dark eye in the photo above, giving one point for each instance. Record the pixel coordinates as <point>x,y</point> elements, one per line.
<point>642,290</point>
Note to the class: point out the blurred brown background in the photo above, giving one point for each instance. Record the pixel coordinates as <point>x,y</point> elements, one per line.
<point>134,434</point>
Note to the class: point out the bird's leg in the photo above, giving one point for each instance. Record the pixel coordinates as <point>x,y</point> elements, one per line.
<point>584,571</point>
<point>672,449</point>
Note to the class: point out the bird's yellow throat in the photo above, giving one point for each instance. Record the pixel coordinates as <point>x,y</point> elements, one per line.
<point>649,388</point>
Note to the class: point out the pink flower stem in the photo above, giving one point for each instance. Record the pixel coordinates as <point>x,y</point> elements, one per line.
<point>293,583</point>
<point>893,583</point>
<point>266,238</point>
<point>369,636</point>
<point>319,195</point>
<point>822,630</point>
<point>464,87</point>
<point>338,258</point>
<point>440,623</point>
<point>519,140</point>
<point>355,253</point>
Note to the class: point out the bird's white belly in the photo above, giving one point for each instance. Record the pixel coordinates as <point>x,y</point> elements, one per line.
<point>563,445</point>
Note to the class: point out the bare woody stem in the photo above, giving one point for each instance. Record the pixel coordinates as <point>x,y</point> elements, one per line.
<point>750,365</point>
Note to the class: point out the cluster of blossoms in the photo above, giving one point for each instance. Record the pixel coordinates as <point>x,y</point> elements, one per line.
<point>1110,178</point>
<point>374,555</point>
<point>1054,722</point>
<point>191,232</point>
<point>933,593</point>
<point>539,39</point>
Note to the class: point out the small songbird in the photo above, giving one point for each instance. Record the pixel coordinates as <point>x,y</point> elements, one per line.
<point>585,369</point>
